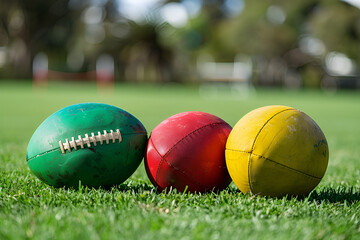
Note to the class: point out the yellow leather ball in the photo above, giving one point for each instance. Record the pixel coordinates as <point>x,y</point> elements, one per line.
<point>276,151</point>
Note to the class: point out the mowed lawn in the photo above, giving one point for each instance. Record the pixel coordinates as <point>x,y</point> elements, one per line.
<point>29,209</point>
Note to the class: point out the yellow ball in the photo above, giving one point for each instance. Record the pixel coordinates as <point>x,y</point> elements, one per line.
<point>276,151</point>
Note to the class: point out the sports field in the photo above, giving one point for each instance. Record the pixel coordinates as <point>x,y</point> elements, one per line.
<point>134,210</point>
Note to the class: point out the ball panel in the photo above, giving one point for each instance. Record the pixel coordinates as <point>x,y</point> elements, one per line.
<point>293,139</point>
<point>94,167</point>
<point>188,149</point>
<point>269,178</point>
<point>152,161</point>
<point>242,136</point>
<point>64,171</point>
<point>237,163</point>
<point>100,164</point>
<point>81,119</point>
<point>169,176</point>
<point>289,152</point>
<point>206,164</point>
<point>176,127</point>
<point>46,172</point>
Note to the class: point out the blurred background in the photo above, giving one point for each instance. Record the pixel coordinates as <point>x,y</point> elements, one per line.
<point>292,44</point>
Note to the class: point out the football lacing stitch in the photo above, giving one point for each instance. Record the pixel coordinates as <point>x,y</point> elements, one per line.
<point>88,140</point>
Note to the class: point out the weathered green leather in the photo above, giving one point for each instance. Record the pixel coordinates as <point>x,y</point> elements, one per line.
<point>105,164</point>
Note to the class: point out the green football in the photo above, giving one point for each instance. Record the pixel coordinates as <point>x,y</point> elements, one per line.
<point>97,144</point>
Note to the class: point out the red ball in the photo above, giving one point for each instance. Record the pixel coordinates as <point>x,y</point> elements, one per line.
<point>188,149</point>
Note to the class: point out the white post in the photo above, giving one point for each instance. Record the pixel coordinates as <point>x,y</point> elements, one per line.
<point>105,71</point>
<point>40,69</point>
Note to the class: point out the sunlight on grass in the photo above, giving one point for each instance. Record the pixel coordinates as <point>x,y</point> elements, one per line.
<point>134,210</point>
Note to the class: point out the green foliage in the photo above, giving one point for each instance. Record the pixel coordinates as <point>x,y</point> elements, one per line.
<point>29,209</point>
<point>152,50</point>
<point>252,32</point>
<point>337,25</point>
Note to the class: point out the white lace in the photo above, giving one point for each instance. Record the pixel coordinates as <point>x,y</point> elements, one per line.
<point>88,140</point>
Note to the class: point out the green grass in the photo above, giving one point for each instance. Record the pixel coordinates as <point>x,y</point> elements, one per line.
<point>134,210</point>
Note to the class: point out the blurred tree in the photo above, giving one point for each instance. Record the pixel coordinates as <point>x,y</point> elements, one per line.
<point>75,33</point>
<point>271,32</point>
<point>338,26</point>
<point>144,57</point>
<point>288,40</point>
<point>32,26</point>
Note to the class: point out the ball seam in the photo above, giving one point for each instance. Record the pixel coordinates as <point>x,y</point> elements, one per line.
<point>52,150</point>
<point>253,145</point>
<point>58,148</point>
<point>268,159</point>
<point>168,152</point>
<point>177,169</point>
